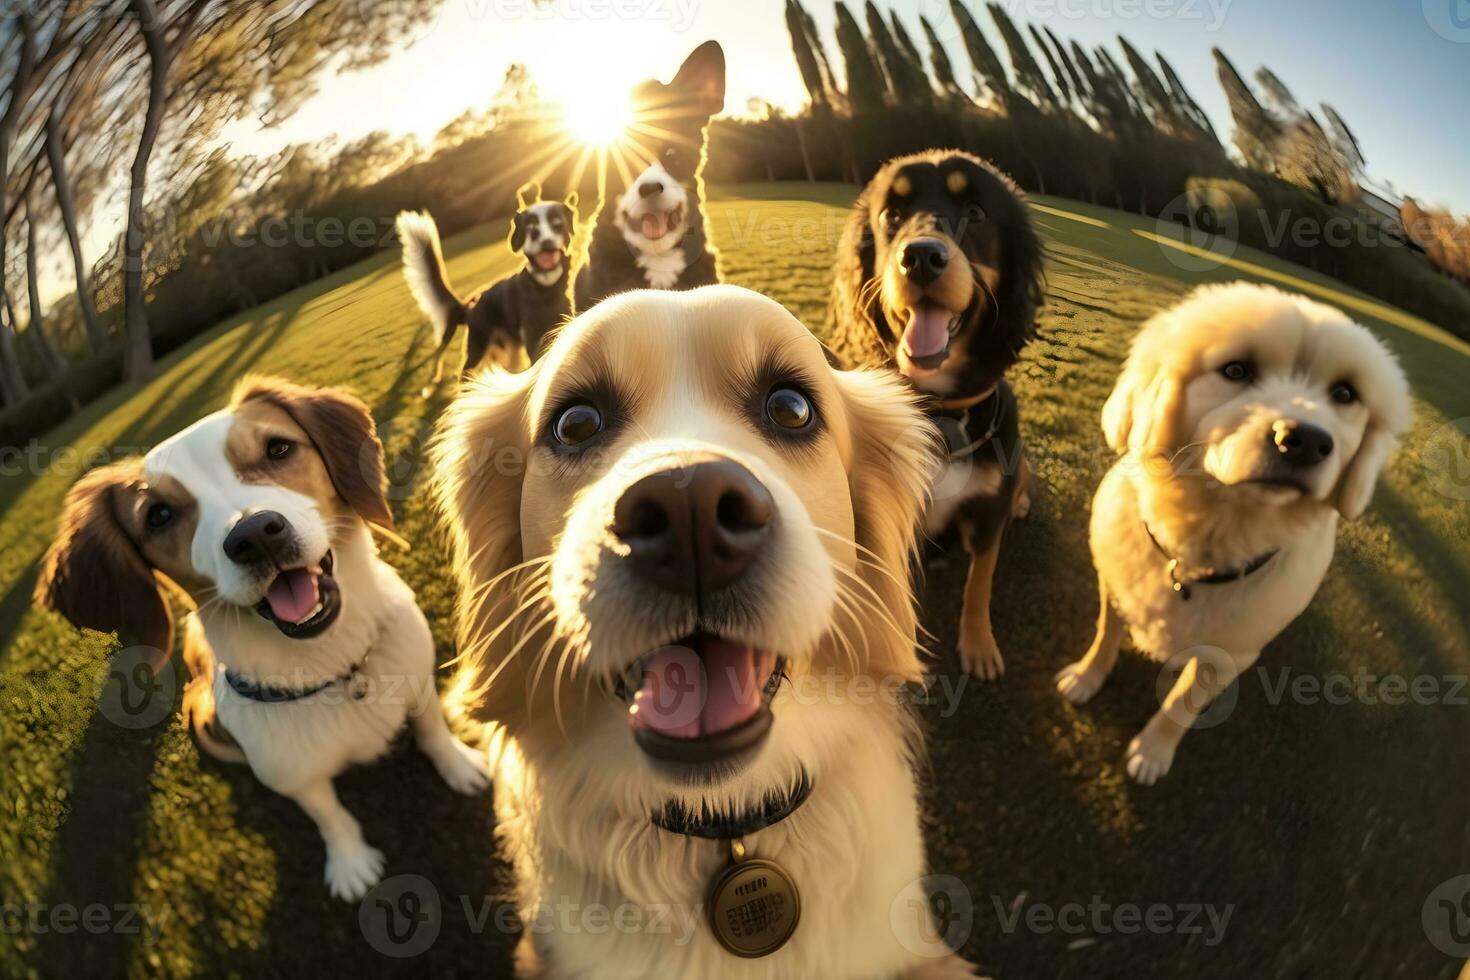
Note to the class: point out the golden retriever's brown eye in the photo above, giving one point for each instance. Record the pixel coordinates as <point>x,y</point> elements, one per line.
<point>158,516</point>
<point>279,448</point>
<point>1236,371</point>
<point>576,424</point>
<point>1343,393</point>
<point>789,409</point>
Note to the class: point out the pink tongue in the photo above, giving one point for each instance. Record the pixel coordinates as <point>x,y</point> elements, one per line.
<point>654,225</point>
<point>686,696</point>
<point>928,330</point>
<point>548,260</point>
<point>293,595</point>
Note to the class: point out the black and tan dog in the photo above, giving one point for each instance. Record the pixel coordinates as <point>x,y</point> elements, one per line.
<point>939,273</point>
<point>650,233</point>
<point>516,313</point>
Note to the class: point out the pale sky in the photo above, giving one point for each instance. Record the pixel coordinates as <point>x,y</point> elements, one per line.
<point>1397,70</point>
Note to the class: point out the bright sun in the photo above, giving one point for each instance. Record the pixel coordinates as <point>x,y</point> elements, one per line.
<point>597,117</point>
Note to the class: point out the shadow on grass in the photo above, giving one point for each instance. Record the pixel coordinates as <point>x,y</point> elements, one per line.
<point>98,844</point>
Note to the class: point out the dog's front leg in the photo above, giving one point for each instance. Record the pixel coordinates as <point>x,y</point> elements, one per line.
<point>1079,681</point>
<point>463,768</point>
<point>352,866</point>
<point>1200,682</point>
<point>979,653</point>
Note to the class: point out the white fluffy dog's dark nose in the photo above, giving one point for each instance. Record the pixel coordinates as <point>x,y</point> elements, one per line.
<point>695,528</point>
<point>1301,444</point>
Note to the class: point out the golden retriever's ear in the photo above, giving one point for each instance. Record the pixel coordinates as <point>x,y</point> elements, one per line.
<point>93,573</point>
<point>480,455</point>
<point>895,456</point>
<point>1355,488</point>
<point>342,430</point>
<point>1142,413</point>
<point>1385,391</point>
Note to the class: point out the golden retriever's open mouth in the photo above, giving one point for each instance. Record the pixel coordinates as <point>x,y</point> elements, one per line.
<point>928,332</point>
<point>303,602</point>
<point>702,700</point>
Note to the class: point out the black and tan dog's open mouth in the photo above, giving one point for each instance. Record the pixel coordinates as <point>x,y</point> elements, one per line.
<point>548,259</point>
<point>303,602</point>
<point>656,224</point>
<point>927,334</point>
<point>703,700</point>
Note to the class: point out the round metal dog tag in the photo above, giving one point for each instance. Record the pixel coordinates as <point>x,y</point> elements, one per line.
<point>753,906</point>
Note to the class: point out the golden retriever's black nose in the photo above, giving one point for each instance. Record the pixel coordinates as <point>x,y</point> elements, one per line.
<point>697,528</point>
<point>1301,444</point>
<point>257,538</point>
<point>924,260</point>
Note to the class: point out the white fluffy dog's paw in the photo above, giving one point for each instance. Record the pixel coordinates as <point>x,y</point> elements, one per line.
<point>1149,758</point>
<point>1078,684</point>
<point>980,655</point>
<point>949,968</point>
<point>352,870</point>
<point>463,768</point>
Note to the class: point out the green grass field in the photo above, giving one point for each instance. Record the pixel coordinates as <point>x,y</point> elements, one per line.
<point>1324,827</point>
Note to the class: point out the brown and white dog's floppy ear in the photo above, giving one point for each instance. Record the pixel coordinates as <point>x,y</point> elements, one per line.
<point>895,455</point>
<point>1141,415</point>
<point>1386,393</point>
<point>703,75</point>
<point>342,430</point>
<point>93,573</point>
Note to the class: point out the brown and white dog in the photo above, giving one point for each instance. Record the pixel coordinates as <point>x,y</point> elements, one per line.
<point>308,652</point>
<point>939,274</point>
<point>1248,420</point>
<point>684,542</point>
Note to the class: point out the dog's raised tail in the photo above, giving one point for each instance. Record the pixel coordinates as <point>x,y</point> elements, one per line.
<point>423,267</point>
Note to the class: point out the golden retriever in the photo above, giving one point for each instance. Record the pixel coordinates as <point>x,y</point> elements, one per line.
<point>1249,419</point>
<point>683,543</point>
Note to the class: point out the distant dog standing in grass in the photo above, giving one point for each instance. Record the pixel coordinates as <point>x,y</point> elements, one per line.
<point>1249,420</point>
<point>939,273</point>
<point>515,314</point>
<point>650,233</point>
<point>308,652</point>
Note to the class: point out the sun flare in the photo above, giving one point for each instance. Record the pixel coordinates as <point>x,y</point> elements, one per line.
<point>597,117</point>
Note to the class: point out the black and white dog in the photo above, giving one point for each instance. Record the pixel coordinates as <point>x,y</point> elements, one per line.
<point>516,313</point>
<point>650,232</point>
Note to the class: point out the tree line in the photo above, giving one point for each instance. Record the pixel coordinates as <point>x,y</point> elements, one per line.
<point>107,99</point>
<point>116,108</point>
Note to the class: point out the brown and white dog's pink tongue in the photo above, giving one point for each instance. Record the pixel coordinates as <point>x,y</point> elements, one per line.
<point>549,259</point>
<point>293,595</point>
<point>684,695</point>
<point>927,332</point>
<point>655,225</point>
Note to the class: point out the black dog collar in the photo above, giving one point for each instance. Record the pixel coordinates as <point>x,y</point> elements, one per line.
<point>777,807</point>
<point>963,444</point>
<point>1211,577</point>
<point>267,694</point>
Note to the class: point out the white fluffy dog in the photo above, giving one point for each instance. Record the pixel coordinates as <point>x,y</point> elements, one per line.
<point>684,545</point>
<point>1249,419</point>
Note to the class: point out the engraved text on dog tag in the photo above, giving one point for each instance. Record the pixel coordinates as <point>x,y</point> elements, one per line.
<point>753,905</point>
